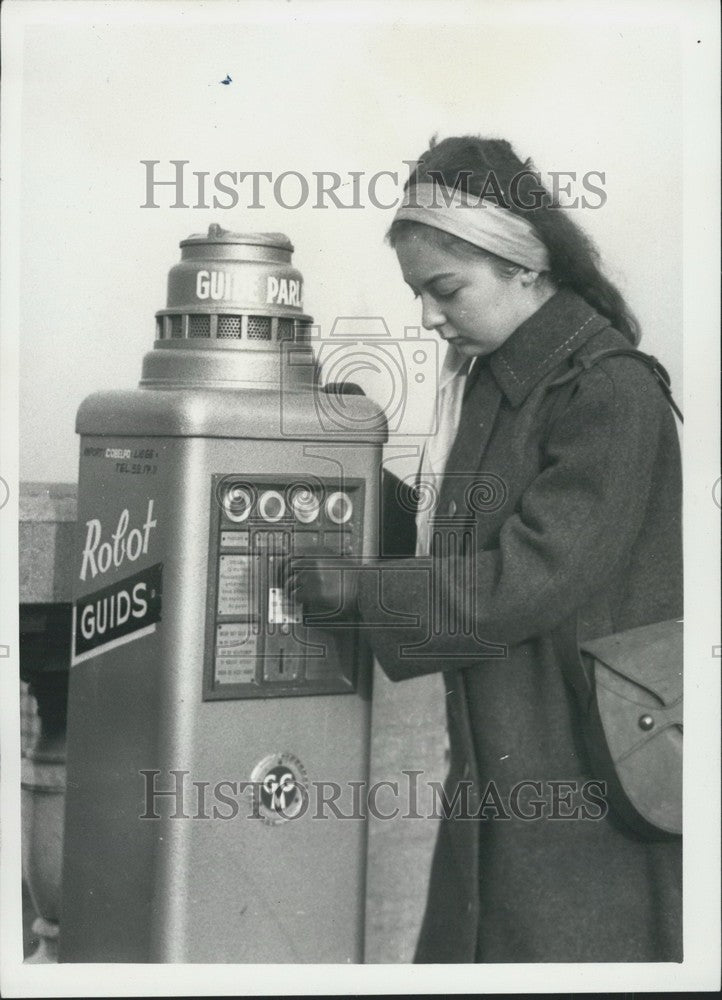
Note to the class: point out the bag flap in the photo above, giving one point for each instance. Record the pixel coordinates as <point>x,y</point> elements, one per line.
<point>650,656</point>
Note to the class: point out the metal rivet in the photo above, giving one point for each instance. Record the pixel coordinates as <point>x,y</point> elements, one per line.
<point>646,722</point>
<point>452,508</point>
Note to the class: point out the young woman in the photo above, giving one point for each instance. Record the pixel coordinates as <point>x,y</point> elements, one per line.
<point>554,507</point>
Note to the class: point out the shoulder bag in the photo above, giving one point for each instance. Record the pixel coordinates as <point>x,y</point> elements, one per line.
<point>630,688</point>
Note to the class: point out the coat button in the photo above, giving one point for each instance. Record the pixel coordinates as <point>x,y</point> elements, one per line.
<point>452,508</point>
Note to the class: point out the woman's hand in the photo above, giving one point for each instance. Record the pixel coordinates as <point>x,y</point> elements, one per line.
<point>325,582</point>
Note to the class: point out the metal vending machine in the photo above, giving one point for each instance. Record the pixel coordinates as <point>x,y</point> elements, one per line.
<point>209,723</point>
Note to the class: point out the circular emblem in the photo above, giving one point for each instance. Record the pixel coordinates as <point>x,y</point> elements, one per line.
<point>282,787</point>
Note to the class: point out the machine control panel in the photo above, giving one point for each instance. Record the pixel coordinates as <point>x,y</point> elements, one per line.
<point>259,643</point>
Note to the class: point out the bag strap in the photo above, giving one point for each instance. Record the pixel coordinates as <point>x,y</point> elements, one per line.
<point>583,364</point>
<point>568,641</point>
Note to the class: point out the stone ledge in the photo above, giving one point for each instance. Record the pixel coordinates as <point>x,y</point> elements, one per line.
<point>46,540</point>
<point>48,502</point>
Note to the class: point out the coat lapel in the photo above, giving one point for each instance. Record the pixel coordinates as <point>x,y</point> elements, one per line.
<point>543,342</point>
<point>478,414</point>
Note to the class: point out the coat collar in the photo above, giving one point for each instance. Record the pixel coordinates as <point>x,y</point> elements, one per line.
<point>542,342</point>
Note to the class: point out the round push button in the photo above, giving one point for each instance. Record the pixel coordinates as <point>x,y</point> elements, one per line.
<point>237,502</point>
<point>305,505</point>
<point>271,506</point>
<point>339,508</point>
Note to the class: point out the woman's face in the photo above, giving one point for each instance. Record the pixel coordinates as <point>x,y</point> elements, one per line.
<point>465,299</point>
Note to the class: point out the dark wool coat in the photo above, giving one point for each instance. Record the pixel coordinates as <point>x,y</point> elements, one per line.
<point>553,502</point>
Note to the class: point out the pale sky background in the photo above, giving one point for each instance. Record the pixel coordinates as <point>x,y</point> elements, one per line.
<point>320,87</point>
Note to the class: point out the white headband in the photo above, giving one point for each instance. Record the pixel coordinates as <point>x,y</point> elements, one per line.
<point>480,222</point>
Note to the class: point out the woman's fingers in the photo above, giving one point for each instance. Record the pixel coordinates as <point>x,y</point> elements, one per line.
<point>286,577</point>
<point>295,579</point>
<point>292,583</point>
<point>309,581</point>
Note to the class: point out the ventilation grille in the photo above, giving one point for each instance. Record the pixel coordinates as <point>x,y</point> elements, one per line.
<point>229,327</point>
<point>285,329</point>
<point>210,326</point>
<point>259,328</point>
<point>199,326</point>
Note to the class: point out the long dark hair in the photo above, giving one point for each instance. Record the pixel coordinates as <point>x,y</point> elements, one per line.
<point>492,168</point>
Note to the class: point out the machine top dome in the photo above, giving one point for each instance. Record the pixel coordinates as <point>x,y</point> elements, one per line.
<point>218,235</point>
